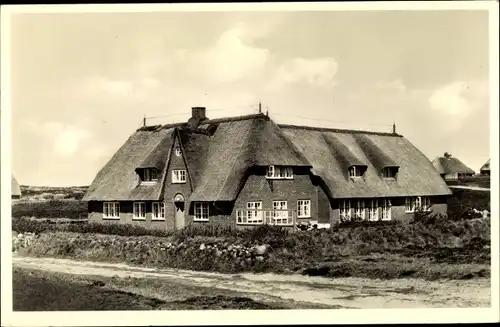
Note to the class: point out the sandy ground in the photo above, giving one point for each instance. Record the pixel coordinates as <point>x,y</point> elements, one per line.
<point>341,292</point>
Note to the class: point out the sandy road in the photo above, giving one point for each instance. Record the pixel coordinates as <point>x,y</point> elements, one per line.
<point>344,292</point>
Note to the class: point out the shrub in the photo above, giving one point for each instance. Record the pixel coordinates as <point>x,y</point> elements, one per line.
<point>50,209</point>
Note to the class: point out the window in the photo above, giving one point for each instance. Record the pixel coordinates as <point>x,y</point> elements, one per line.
<point>389,172</point>
<point>373,210</point>
<point>277,172</point>
<point>360,209</point>
<point>356,171</point>
<point>345,210</point>
<point>111,210</point>
<point>304,208</point>
<point>178,176</point>
<point>279,209</point>
<point>417,203</point>
<point>386,209</point>
<point>200,211</point>
<point>139,210</point>
<point>254,212</point>
<point>149,175</point>
<point>178,151</point>
<point>158,211</point>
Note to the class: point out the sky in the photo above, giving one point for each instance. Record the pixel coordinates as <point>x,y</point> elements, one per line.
<point>82,82</point>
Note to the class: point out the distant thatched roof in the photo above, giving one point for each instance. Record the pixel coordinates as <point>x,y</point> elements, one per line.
<point>219,153</point>
<point>486,166</point>
<point>416,175</point>
<point>16,189</point>
<point>448,165</point>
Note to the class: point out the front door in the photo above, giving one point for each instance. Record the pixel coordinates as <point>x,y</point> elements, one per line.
<point>179,211</point>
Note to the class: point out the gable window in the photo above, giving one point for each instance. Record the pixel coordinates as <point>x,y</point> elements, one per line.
<point>178,151</point>
<point>178,176</point>
<point>111,210</point>
<point>200,211</point>
<point>304,208</point>
<point>417,203</point>
<point>356,171</point>
<point>149,175</point>
<point>345,210</point>
<point>389,172</point>
<point>279,172</point>
<point>139,210</point>
<point>373,210</point>
<point>254,212</point>
<point>158,211</point>
<point>386,209</point>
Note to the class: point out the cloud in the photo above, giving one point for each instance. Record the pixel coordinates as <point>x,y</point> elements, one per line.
<point>315,72</point>
<point>65,138</point>
<point>456,101</point>
<point>231,58</point>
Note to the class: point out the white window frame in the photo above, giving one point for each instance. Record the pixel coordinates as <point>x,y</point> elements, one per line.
<point>178,151</point>
<point>179,176</point>
<point>345,210</point>
<point>279,172</point>
<point>386,207</point>
<point>412,203</point>
<point>359,210</point>
<point>158,211</point>
<point>139,211</point>
<point>150,175</point>
<point>201,211</point>
<point>254,212</point>
<point>111,210</point>
<point>353,170</point>
<point>277,207</point>
<point>373,210</point>
<point>303,208</point>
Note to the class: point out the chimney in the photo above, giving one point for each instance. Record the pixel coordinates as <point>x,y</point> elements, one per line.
<point>197,116</point>
<point>198,113</point>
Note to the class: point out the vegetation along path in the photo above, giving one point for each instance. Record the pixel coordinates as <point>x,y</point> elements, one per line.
<point>339,292</point>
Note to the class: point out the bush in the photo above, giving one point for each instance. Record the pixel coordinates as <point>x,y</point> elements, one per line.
<point>50,209</point>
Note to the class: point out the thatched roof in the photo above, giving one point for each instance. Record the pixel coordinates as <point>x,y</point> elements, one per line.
<point>416,175</point>
<point>486,166</point>
<point>118,179</point>
<point>16,189</point>
<point>219,153</point>
<point>448,165</point>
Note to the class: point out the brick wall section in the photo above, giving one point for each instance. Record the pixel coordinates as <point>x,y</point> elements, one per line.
<point>398,209</point>
<point>126,215</point>
<point>171,190</point>
<point>260,189</point>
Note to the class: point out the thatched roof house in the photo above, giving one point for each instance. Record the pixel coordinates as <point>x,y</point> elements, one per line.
<point>221,168</point>
<point>451,168</point>
<point>485,169</point>
<point>16,189</point>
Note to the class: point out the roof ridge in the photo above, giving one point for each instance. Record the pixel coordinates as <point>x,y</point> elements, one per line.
<point>338,130</point>
<point>152,128</point>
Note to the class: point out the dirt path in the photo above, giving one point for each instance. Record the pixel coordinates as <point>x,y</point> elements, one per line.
<point>344,292</point>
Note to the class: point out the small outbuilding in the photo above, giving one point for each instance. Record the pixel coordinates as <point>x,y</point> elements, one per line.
<point>451,168</point>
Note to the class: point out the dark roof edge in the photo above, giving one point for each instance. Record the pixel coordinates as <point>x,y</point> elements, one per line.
<point>338,130</point>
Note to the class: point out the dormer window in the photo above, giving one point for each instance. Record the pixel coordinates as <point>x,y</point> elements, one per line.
<point>389,172</point>
<point>279,172</point>
<point>149,175</point>
<point>356,171</point>
<point>178,151</point>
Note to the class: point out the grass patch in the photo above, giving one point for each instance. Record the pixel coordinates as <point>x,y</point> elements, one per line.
<point>42,291</point>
